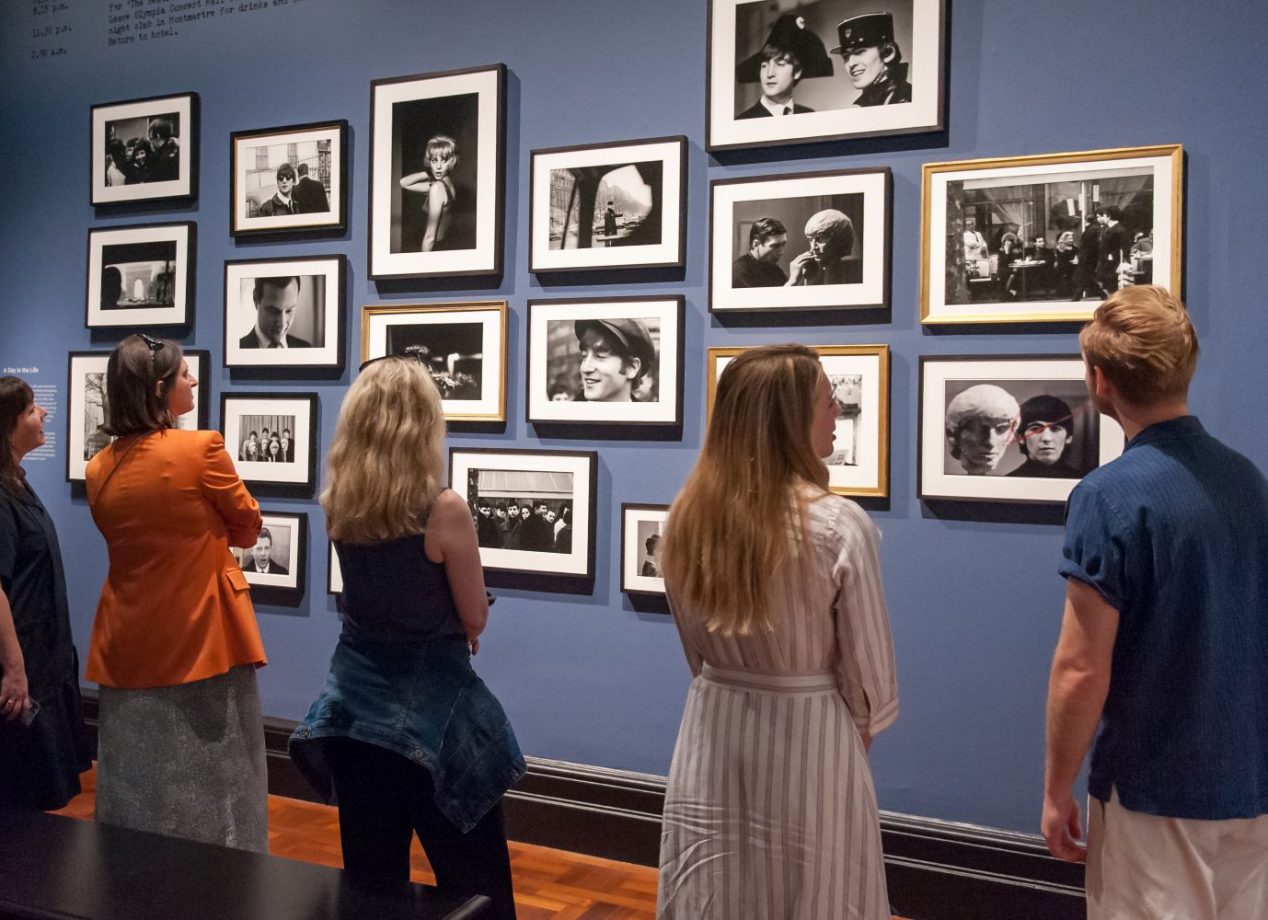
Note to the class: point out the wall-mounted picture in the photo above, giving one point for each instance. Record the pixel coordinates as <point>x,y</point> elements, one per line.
<point>285,312</point>
<point>816,70</point>
<point>273,438</point>
<point>618,205</point>
<point>88,410</point>
<point>1047,238</point>
<point>437,147</point>
<point>141,275</point>
<point>813,241</point>
<point>276,567</point>
<point>859,375</point>
<point>616,360</point>
<point>534,511</point>
<point>144,149</point>
<point>642,528</point>
<point>463,345</point>
<point>1015,428</point>
<point>334,573</point>
<point>288,179</point>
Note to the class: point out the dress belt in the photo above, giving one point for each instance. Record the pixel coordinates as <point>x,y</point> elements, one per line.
<point>787,682</point>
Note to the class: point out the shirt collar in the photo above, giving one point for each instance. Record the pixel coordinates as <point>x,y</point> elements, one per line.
<point>263,342</point>
<point>775,108</point>
<point>1186,426</point>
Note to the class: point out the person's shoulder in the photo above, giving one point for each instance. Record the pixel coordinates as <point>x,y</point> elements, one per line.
<point>447,506</point>
<point>756,110</point>
<point>294,341</point>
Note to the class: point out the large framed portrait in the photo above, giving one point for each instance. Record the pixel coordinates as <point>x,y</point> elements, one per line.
<point>273,438</point>
<point>813,241</point>
<point>88,409</point>
<point>463,345</point>
<point>642,529</point>
<point>144,149</point>
<point>617,205</point>
<point>285,312</point>
<point>276,568</point>
<point>1047,238</point>
<point>859,374</point>
<point>612,359</point>
<point>816,70</point>
<point>1016,428</point>
<point>534,510</point>
<point>289,179</point>
<point>437,152</point>
<point>142,275</point>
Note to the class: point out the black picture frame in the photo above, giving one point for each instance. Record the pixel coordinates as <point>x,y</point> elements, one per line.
<point>116,183</point>
<point>633,581</point>
<point>299,479</point>
<point>322,146</point>
<point>161,260</point>
<point>280,588</point>
<point>324,304</point>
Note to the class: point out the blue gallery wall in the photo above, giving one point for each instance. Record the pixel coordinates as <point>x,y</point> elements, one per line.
<point>974,603</point>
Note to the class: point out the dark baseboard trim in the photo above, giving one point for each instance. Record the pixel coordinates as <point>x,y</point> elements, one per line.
<point>937,870</point>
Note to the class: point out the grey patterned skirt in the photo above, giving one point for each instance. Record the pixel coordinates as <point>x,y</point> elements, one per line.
<point>187,761</point>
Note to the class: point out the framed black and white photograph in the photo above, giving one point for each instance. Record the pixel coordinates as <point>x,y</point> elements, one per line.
<point>285,312</point>
<point>1017,428</point>
<point>276,568</point>
<point>1047,238</point>
<point>289,179</point>
<point>463,345</point>
<point>642,529</point>
<point>142,275</point>
<point>810,241</point>
<point>273,439</point>
<point>88,409</point>
<point>815,70</point>
<point>534,511</point>
<point>144,149</point>
<point>334,572</point>
<point>617,205</point>
<point>437,149</point>
<point>616,360</point>
<point>859,375</point>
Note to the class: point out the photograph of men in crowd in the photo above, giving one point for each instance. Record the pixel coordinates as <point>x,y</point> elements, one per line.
<point>145,149</point>
<point>819,238</point>
<point>790,54</point>
<point>531,525</point>
<point>603,360</point>
<point>280,304</point>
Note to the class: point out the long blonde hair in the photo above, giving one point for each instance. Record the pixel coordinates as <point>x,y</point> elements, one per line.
<point>728,529</point>
<point>384,467</point>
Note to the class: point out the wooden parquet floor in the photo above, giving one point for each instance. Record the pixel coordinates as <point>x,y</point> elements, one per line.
<point>549,884</point>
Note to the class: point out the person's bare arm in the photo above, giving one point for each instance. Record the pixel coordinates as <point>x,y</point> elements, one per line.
<point>1077,689</point>
<point>15,697</point>
<point>416,182</point>
<point>451,540</point>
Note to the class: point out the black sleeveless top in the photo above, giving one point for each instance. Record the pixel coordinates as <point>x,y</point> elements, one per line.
<point>393,592</point>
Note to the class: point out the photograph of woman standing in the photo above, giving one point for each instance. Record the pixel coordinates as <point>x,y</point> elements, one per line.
<point>175,643</point>
<point>770,810</point>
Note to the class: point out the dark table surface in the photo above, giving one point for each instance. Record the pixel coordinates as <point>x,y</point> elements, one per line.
<point>55,867</point>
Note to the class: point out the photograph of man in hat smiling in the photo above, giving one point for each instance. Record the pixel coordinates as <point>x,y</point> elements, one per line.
<point>873,60</point>
<point>791,53</point>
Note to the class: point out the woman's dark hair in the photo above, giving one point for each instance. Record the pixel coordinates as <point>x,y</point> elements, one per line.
<point>135,366</point>
<point>15,398</point>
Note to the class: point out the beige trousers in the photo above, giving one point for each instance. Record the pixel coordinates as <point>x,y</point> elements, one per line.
<point>1143,867</point>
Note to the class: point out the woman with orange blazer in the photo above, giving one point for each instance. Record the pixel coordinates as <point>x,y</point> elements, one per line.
<point>175,643</point>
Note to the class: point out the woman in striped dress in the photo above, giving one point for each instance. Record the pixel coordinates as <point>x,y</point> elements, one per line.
<point>775,586</point>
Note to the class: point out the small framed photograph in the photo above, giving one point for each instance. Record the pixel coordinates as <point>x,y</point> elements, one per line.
<point>437,154</point>
<point>289,179</point>
<point>859,375</point>
<point>1047,238</point>
<point>818,70</point>
<point>462,344</point>
<point>534,510</point>
<point>1016,428</point>
<point>273,438</point>
<point>334,573</point>
<point>285,312</point>
<point>276,567</point>
<point>141,275</point>
<point>812,241</point>
<point>144,149</point>
<point>615,359</point>
<point>617,205</point>
<point>642,527</point>
<point>88,410</point>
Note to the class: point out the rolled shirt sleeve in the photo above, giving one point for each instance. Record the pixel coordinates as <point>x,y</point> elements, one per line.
<point>1097,544</point>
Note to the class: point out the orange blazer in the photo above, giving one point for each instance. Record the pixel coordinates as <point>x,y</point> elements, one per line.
<point>175,607</point>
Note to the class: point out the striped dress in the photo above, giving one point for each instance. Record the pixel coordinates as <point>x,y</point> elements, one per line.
<point>770,813</point>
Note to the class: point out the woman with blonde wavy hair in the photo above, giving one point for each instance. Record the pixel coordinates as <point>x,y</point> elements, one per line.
<point>775,587</point>
<point>404,733</point>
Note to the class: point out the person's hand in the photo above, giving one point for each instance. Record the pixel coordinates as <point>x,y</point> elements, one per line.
<point>1062,830</point>
<point>15,696</point>
<point>798,268</point>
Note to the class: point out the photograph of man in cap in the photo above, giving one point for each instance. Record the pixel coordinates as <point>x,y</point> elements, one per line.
<point>790,53</point>
<point>827,261</point>
<point>1046,434</point>
<point>759,267</point>
<point>981,422</point>
<point>873,61</point>
<point>616,354</point>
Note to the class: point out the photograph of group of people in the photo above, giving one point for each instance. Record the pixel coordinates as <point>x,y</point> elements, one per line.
<point>536,525</point>
<point>268,438</point>
<point>143,149</point>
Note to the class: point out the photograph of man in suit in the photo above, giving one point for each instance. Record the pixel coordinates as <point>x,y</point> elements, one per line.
<point>790,53</point>
<point>281,202</point>
<point>309,196</point>
<point>260,560</point>
<point>759,267</point>
<point>275,300</point>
